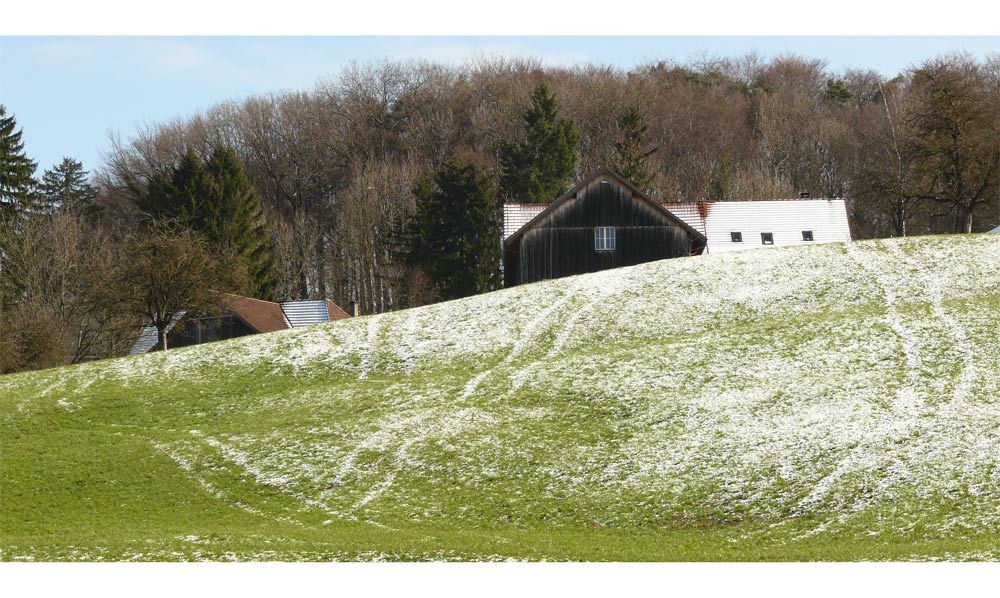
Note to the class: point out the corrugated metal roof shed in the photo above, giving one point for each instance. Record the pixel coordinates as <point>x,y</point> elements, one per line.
<point>305,312</point>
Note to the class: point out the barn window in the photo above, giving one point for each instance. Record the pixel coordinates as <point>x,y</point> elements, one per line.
<point>737,237</point>
<point>767,238</point>
<point>807,235</point>
<point>604,238</point>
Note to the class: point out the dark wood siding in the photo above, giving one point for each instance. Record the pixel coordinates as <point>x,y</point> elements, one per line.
<point>561,243</point>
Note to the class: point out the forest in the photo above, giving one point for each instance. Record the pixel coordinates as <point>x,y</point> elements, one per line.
<point>384,183</point>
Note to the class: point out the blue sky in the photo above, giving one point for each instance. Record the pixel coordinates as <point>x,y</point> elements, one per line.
<point>68,93</point>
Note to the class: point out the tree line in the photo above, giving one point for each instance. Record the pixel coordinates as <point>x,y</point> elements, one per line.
<point>384,183</point>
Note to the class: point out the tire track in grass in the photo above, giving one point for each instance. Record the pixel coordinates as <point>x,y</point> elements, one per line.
<point>367,357</point>
<point>907,337</point>
<point>417,429</point>
<point>444,422</point>
<point>409,329</point>
<point>188,470</point>
<point>907,405</point>
<point>279,483</point>
<point>962,390</point>
<point>376,440</point>
<point>608,286</point>
<point>904,405</point>
<point>527,333</point>
<point>954,409</point>
<point>448,425</point>
<point>186,466</point>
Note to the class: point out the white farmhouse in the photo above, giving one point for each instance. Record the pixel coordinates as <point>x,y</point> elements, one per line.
<point>740,225</point>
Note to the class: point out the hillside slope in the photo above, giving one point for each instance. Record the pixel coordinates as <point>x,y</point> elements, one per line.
<point>825,402</point>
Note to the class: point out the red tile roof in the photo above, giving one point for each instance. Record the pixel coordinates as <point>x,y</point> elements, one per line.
<point>262,316</point>
<point>335,312</point>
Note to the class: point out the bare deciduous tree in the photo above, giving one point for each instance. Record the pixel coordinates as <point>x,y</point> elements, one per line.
<point>170,274</point>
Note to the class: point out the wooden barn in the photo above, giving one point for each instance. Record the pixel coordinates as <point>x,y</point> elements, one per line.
<point>604,222</point>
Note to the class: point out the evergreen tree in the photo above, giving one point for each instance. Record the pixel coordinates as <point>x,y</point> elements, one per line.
<point>234,219</point>
<point>218,200</point>
<point>65,187</point>
<point>455,233</point>
<point>539,170</point>
<point>837,92</point>
<point>16,170</point>
<point>631,153</point>
<point>179,195</point>
<point>718,186</point>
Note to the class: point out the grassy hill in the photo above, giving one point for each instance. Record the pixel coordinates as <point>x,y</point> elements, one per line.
<point>822,402</point>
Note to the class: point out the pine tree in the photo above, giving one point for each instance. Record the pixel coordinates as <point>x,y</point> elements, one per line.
<point>179,195</point>
<point>631,153</point>
<point>539,170</point>
<point>16,171</point>
<point>718,185</point>
<point>218,200</point>
<point>837,92</point>
<point>456,231</point>
<point>65,187</point>
<point>235,220</point>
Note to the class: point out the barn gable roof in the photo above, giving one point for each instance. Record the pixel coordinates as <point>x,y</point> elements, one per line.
<point>698,238</point>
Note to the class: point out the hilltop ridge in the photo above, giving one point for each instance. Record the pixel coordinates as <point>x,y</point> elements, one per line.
<point>827,402</point>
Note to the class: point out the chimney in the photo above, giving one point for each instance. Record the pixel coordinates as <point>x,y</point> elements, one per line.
<point>804,194</point>
<point>355,308</point>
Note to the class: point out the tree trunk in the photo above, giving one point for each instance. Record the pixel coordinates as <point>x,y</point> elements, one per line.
<point>900,218</point>
<point>321,266</point>
<point>161,337</point>
<point>303,277</point>
<point>963,218</point>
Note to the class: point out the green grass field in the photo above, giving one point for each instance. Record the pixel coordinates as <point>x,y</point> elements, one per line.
<point>831,402</point>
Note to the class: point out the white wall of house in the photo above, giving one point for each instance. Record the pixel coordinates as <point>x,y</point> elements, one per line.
<point>785,220</point>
